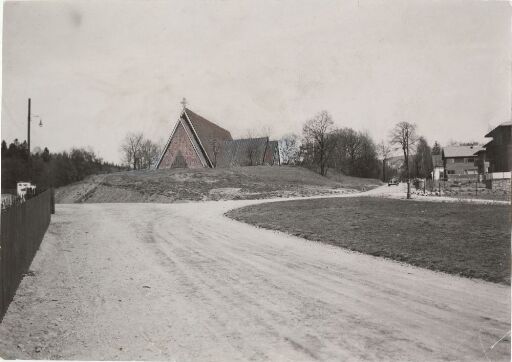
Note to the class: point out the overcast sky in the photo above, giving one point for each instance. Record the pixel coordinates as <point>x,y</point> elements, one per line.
<point>96,70</point>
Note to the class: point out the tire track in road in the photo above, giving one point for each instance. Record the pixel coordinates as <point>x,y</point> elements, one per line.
<point>208,291</point>
<point>183,282</point>
<point>195,243</point>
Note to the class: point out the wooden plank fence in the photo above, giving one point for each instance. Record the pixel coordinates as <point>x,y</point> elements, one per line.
<point>23,225</point>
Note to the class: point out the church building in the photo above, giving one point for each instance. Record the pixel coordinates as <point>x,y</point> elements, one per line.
<point>196,142</point>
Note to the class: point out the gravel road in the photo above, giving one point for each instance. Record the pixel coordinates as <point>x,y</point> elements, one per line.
<point>183,282</point>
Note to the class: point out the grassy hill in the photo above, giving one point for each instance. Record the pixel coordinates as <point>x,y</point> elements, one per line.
<point>174,185</point>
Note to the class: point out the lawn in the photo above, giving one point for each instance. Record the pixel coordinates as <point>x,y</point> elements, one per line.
<point>466,239</point>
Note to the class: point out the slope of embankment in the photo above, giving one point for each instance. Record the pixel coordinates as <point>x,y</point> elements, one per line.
<point>175,185</point>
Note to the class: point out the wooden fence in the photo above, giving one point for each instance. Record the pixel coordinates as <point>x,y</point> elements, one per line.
<point>23,226</point>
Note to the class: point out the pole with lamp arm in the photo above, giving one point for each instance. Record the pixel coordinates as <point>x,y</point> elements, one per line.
<point>28,127</point>
<point>29,120</point>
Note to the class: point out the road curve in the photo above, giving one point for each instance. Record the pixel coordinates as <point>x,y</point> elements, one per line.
<point>183,282</point>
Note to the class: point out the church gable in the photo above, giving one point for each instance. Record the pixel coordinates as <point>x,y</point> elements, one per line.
<point>181,152</point>
<point>197,142</point>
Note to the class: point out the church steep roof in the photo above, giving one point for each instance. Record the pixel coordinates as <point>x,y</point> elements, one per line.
<point>242,152</point>
<point>206,132</point>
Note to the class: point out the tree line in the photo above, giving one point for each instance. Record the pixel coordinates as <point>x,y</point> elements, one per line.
<point>47,169</point>
<point>323,147</point>
<point>139,152</point>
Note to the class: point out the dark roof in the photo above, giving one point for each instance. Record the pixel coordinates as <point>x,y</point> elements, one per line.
<point>273,149</point>
<point>437,161</point>
<point>242,152</point>
<point>460,151</point>
<point>482,150</point>
<point>207,132</point>
<point>504,124</point>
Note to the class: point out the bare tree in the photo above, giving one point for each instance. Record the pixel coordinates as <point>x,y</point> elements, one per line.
<point>317,134</point>
<point>404,136</point>
<point>384,150</point>
<point>351,142</point>
<point>289,149</point>
<point>139,152</point>
<point>131,149</point>
<point>265,131</point>
<point>149,153</point>
<point>355,153</point>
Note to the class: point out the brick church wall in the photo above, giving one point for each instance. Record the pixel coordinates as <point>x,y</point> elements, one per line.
<point>180,153</point>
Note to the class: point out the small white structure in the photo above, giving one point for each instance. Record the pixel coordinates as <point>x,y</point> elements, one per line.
<point>498,176</point>
<point>438,172</point>
<point>24,187</point>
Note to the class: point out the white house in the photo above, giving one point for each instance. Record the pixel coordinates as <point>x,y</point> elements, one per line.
<point>24,187</point>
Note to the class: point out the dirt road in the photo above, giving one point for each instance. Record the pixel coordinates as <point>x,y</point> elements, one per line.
<point>182,282</point>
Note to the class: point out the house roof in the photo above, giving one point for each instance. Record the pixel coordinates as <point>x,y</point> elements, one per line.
<point>460,151</point>
<point>504,124</point>
<point>206,132</point>
<point>242,152</point>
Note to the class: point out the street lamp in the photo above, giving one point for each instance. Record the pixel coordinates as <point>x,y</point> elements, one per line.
<point>40,119</point>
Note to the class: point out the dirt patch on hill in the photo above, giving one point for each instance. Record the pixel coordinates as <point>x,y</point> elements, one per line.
<point>181,185</point>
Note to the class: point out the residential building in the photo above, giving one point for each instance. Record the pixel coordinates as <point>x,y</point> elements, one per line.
<point>498,151</point>
<point>498,157</point>
<point>459,162</point>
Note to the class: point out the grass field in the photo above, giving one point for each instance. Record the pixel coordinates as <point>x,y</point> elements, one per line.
<point>465,239</point>
<point>173,185</point>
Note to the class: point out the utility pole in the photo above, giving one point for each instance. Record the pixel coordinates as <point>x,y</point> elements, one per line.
<point>28,128</point>
<point>407,164</point>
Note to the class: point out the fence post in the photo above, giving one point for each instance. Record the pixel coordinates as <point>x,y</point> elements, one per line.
<point>2,270</point>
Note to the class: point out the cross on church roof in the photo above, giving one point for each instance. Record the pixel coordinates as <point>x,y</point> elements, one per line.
<point>184,102</point>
